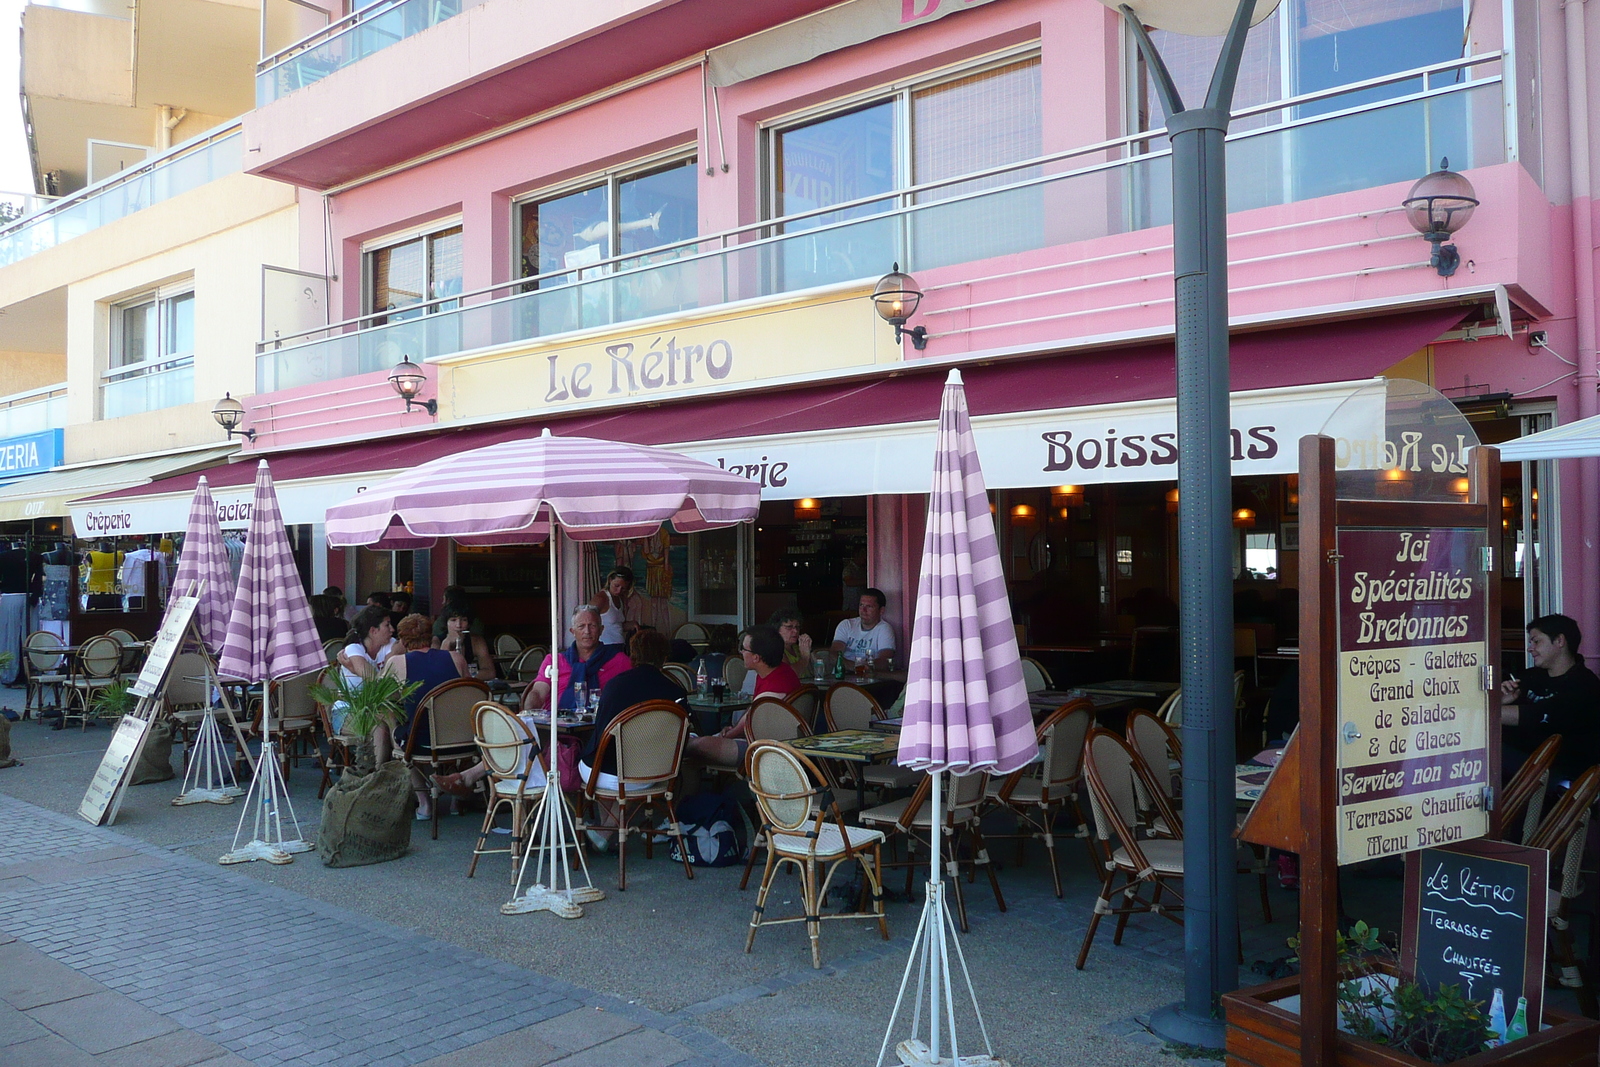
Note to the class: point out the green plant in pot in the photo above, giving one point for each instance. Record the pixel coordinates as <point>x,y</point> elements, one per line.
<point>369,703</point>
<point>1378,1005</point>
<point>112,701</point>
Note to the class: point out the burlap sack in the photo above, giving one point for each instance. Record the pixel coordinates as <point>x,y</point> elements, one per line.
<point>155,762</point>
<point>5,744</point>
<point>366,818</point>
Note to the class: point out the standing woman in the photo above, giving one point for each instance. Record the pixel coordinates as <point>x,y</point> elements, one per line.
<point>368,644</point>
<point>617,608</point>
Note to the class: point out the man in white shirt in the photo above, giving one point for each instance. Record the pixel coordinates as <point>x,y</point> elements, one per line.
<point>868,634</point>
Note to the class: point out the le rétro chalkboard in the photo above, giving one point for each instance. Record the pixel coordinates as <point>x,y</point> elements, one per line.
<point>1475,917</point>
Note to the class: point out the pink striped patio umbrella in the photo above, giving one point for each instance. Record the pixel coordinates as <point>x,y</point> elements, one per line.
<point>966,703</point>
<point>204,559</point>
<point>508,494</point>
<point>518,492</point>
<point>271,635</point>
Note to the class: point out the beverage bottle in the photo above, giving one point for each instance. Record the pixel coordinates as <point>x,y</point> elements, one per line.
<point>838,665</point>
<point>1519,1022</point>
<point>1497,1020</point>
<point>701,683</point>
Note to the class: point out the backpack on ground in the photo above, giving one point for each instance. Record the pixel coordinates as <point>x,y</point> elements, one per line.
<point>713,831</point>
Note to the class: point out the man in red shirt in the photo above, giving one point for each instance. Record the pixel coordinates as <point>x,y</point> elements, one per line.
<point>762,648</point>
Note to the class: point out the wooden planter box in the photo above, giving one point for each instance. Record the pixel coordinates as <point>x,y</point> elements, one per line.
<point>1261,1034</point>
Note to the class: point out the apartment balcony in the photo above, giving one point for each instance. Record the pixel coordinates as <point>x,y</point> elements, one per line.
<point>204,159</point>
<point>1069,246</point>
<point>34,411</point>
<point>148,386</point>
<point>401,78</point>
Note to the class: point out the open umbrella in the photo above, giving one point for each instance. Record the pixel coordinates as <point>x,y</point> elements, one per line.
<point>270,635</point>
<point>966,703</point>
<point>519,492</point>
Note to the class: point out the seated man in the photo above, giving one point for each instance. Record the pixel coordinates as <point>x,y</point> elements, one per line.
<point>584,661</point>
<point>762,648</point>
<point>867,636</point>
<point>641,682</point>
<point>1557,695</point>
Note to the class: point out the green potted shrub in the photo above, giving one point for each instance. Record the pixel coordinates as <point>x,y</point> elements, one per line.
<point>377,701</point>
<point>112,701</point>
<point>366,816</point>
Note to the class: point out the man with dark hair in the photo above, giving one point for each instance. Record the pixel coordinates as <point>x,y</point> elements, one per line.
<point>867,636</point>
<point>1557,695</point>
<point>380,599</point>
<point>762,650</point>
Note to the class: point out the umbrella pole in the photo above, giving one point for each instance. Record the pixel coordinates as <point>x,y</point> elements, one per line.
<point>935,904</point>
<point>553,820</point>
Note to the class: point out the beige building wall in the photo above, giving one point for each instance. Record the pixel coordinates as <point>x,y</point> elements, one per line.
<point>21,371</point>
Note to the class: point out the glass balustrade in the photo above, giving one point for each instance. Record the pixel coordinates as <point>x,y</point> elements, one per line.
<point>24,415</point>
<point>151,391</point>
<point>1291,158</point>
<point>351,40</point>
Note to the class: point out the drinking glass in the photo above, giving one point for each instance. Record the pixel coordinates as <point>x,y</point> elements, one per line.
<point>819,668</point>
<point>580,696</point>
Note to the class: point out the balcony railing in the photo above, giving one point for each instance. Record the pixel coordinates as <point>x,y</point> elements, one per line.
<point>148,387</point>
<point>192,164</point>
<point>1284,152</point>
<point>347,41</point>
<point>34,411</point>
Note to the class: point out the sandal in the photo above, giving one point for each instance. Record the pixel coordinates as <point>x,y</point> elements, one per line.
<point>452,783</point>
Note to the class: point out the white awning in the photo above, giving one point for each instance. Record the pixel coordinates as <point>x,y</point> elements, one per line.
<point>47,495</point>
<point>1575,440</point>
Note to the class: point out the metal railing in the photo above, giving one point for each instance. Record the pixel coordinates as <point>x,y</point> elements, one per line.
<point>190,165</point>
<point>349,40</point>
<point>150,387</point>
<point>1289,151</point>
<point>33,411</point>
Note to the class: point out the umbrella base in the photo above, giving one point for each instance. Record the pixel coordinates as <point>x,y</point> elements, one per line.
<point>208,796</point>
<point>259,850</point>
<point>915,1053</point>
<point>562,903</point>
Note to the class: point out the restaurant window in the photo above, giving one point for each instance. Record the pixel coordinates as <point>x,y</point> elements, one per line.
<point>1307,46</point>
<point>571,236</point>
<point>425,267</point>
<point>927,131</point>
<point>151,361</point>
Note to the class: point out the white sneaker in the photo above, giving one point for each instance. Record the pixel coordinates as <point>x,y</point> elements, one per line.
<point>598,841</point>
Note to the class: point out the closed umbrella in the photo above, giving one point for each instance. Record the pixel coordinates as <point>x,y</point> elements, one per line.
<point>203,565</point>
<point>520,492</point>
<point>270,635</point>
<point>966,703</point>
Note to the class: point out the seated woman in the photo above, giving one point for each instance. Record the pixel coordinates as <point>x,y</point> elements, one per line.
<point>429,668</point>
<point>796,645</point>
<point>457,635</point>
<point>641,682</point>
<point>368,644</point>
<point>762,649</point>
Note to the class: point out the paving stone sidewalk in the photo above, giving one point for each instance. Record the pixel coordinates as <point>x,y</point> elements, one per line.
<point>116,952</point>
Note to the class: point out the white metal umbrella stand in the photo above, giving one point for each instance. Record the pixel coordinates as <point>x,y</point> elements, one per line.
<point>930,961</point>
<point>268,796</point>
<point>209,778</point>
<point>553,831</point>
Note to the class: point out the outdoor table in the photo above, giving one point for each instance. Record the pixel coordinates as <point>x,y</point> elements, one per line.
<point>851,746</point>
<point>1249,779</point>
<point>1110,709</point>
<point>708,712</point>
<point>1134,687</point>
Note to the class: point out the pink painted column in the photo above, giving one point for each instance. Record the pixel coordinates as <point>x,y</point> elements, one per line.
<point>1588,375</point>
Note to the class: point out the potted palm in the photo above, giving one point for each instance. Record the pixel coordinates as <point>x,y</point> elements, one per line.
<point>366,816</point>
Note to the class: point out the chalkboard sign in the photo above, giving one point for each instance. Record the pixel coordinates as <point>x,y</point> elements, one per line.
<point>1475,917</point>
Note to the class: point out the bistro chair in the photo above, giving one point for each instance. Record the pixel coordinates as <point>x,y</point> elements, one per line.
<point>44,660</point>
<point>850,707</point>
<point>913,819</point>
<point>693,633</point>
<point>508,748</point>
<point>1035,794</point>
<point>648,739</point>
<point>807,700</point>
<point>1245,646</point>
<point>506,647</point>
<point>1111,766</point>
<point>804,828</point>
<point>1564,832</point>
<point>525,667</point>
<point>96,667</point>
<point>733,673</point>
<point>1524,794</point>
<point>331,649</point>
<point>1171,709</point>
<point>452,735</point>
<point>132,647</point>
<point>341,747</point>
<point>1034,676</point>
<point>680,674</point>
<point>293,718</point>
<point>187,696</point>
<point>769,719</point>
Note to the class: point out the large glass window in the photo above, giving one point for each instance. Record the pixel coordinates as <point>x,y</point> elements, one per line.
<point>1307,46</point>
<point>919,134</point>
<point>646,215</point>
<point>151,361</point>
<point>426,267</point>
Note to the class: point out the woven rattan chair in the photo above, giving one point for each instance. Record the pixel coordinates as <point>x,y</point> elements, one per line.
<point>1524,795</point>
<point>807,700</point>
<point>1035,794</point>
<point>680,674</point>
<point>1111,766</point>
<point>133,650</point>
<point>1034,676</point>
<point>187,697</point>
<point>733,673</point>
<point>769,719</point>
<point>525,667</point>
<point>341,747</point>
<point>293,718</point>
<point>850,707</point>
<point>452,733</point>
<point>506,647</point>
<point>1171,710</point>
<point>693,633</point>
<point>45,665</point>
<point>648,741</point>
<point>1564,833</point>
<point>97,665</point>
<point>507,745</point>
<point>805,829</point>
<point>912,818</point>
<point>331,649</point>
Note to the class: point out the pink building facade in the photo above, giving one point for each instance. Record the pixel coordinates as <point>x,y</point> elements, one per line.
<point>559,212</point>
